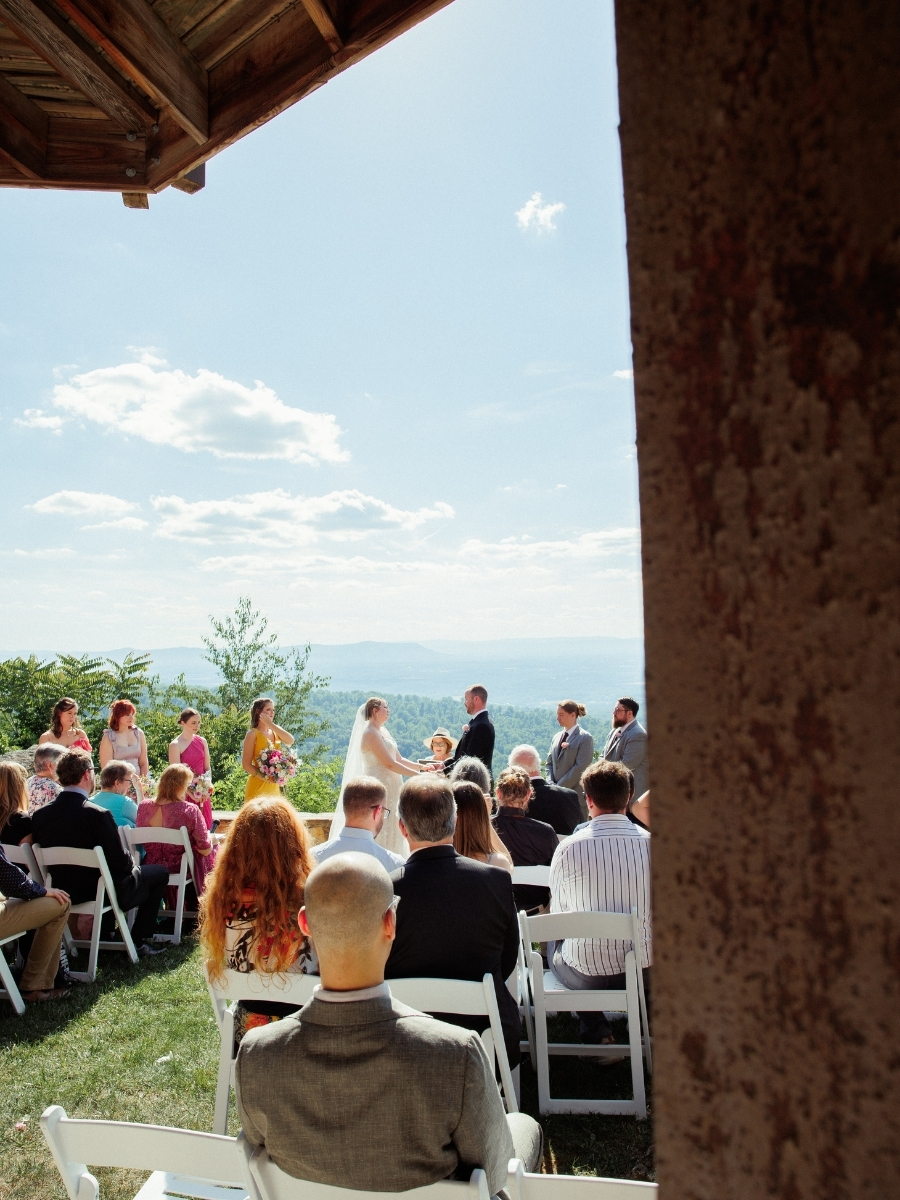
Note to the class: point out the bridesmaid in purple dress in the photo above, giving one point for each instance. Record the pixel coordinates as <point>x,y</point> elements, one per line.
<point>192,750</point>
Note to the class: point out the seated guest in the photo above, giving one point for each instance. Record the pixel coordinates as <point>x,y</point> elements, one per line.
<point>15,828</point>
<point>457,918</point>
<point>358,1090</point>
<point>248,910</point>
<point>603,868</point>
<point>71,820</point>
<point>44,910</point>
<point>557,806</point>
<point>638,810</point>
<point>530,843</point>
<point>471,770</point>
<point>43,785</point>
<point>364,817</point>
<point>473,836</point>
<point>116,781</point>
<point>170,809</point>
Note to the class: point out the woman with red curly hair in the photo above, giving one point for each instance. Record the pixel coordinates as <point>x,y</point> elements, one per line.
<point>122,740</point>
<point>248,913</point>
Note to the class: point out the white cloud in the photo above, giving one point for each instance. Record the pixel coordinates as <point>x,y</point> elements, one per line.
<point>122,523</point>
<point>629,374</point>
<point>599,544</point>
<point>194,413</point>
<point>83,504</point>
<point>36,418</point>
<point>537,215</point>
<point>262,518</point>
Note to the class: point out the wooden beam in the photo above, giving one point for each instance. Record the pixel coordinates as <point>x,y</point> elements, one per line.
<point>142,45</point>
<point>135,199</point>
<point>38,24</point>
<point>193,181</point>
<point>324,22</point>
<point>94,154</point>
<point>230,26</point>
<point>23,131</point>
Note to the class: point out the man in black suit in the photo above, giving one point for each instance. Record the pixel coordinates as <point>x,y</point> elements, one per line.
<point>558,806</point>
<point>71,820</point>
<point>477,740</point>
<point>456,918</point>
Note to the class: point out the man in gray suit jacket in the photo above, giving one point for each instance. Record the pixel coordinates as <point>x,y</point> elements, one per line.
<point>571,751</point>
<point>358,1090</point>
<point>627,743</point>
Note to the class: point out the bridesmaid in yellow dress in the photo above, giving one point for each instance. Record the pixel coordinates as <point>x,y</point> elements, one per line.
<point>262,734</point>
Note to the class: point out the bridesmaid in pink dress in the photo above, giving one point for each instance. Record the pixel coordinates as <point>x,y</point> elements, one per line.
<point>192,750</point>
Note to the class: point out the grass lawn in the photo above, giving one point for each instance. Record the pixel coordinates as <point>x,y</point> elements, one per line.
<point>98,1052</point>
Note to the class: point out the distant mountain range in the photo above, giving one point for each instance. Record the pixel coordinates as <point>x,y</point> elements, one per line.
<point>529,672</point>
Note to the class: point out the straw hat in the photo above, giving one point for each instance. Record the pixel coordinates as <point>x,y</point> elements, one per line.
<point>441,733</point>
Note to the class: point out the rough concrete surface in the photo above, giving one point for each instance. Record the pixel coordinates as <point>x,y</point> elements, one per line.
<point>761,151</point>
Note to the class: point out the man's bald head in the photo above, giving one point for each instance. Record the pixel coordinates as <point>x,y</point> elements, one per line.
<point>346,898</point>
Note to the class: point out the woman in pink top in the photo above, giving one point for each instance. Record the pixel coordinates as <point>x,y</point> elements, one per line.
<point>192,750</point>
<point>169,810</point>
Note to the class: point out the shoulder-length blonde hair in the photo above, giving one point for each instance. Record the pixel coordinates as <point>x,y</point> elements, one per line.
<point>172,783</point>
<point>266,851</point>
<point>13,793</point>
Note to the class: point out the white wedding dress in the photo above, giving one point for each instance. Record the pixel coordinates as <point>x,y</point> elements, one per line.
<point>362,762</point>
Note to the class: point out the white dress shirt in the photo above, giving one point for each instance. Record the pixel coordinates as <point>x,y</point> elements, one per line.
<point>604,867</point>
<point>362,841</point>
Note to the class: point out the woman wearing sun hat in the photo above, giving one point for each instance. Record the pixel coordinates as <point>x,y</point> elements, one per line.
<point>441,745</point>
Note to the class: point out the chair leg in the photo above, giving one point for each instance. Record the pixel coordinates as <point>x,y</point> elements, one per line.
<point>223,1083</point>
<point>634,1037</point>
<point>12,992</point>
<point>540,1035</point>
<point>179,911</point>
<point>645,1022</point>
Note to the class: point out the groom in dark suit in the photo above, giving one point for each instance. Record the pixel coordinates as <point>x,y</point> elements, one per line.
<point>477,740</point>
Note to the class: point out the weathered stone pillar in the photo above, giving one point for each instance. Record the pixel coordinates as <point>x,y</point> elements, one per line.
<point>761,148</point>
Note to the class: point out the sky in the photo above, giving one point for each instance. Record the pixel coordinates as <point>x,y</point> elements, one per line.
<point>375,376</point>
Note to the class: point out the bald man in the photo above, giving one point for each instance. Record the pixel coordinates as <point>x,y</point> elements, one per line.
<point>356,1089</point>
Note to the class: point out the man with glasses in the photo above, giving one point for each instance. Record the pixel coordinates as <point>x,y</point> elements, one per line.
<point>627,743</point>
<point>71,820</point>
<point>364,815</point>
<point>357,1090</point>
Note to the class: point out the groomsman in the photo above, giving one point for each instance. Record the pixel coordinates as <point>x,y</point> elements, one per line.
<point>572,750</point>
<point>627,743</point>
<point>477,740</point>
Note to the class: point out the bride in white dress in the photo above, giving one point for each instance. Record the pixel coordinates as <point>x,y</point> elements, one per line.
<point>372,751</point>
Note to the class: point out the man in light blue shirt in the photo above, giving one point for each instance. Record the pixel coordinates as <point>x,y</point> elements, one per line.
<point>364,814</point>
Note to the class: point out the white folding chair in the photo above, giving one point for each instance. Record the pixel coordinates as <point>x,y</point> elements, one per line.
<point>9,991</point>
<point>532,876</point>
<point>183,1161</point>
<point>23,857</point>
<point>550,995</point>
<point>134,838</point>
<point>104,901</point>
<point>274,1184</point>
<point>469,999</point>
<point>289,988</point>
<point>520,1185</point>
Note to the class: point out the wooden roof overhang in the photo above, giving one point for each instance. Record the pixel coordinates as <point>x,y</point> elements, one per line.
<point>134,95</point>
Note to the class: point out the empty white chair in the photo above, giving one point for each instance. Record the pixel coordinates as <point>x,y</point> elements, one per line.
<point>469,999</point>
<point>104,901</point>
<point>134,838</point>
<point>183,1162</point>
<point>289,988</point>
<point>550,995</point>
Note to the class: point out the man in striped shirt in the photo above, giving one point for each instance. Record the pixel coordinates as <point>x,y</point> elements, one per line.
<point>604,867</point>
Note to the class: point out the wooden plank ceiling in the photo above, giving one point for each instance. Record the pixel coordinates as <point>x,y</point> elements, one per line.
<point>133,95</point>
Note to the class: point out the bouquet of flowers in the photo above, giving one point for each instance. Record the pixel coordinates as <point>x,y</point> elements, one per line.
<point>201,789</point>
<point>277,765</point>
<point>148,787</point>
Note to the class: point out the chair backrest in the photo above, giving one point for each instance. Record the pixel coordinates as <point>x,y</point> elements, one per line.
<point>533,876</point>
<point>76,1144</point>
<point>461,996</point>
<point>556,927</point>
<point>289,988</point>
<point>74,856</point>
<point>23,856</point>
<point>274,1184</point>
<point>580,1187</point>
<point>148,833</point>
